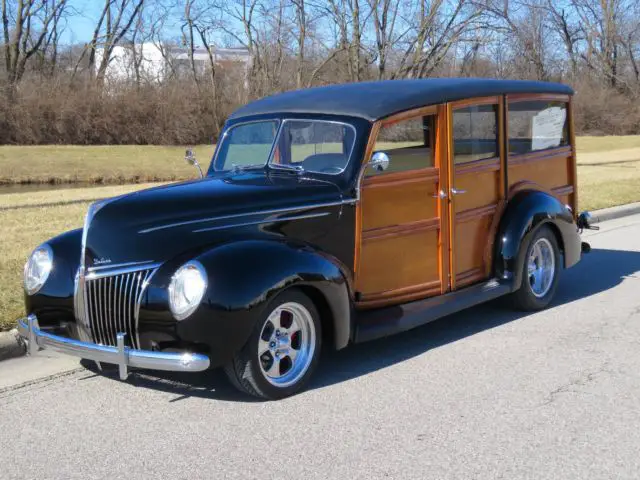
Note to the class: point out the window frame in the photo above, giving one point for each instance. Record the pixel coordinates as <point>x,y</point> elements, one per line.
<point>538,97</point>
<point>496,100</point>
<point>278,138</point>
<point>213,167</point>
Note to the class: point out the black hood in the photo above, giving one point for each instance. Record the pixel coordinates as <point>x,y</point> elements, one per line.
<point>162,222</point>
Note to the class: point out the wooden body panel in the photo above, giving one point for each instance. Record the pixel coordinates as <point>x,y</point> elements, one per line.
<point>411,244</point>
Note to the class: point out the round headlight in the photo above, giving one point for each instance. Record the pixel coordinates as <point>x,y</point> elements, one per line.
<point>186,289</point>
<point>37,269</point>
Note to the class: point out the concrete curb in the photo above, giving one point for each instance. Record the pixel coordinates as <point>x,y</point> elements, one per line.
<point>11,345</point>
<point>617,212</point>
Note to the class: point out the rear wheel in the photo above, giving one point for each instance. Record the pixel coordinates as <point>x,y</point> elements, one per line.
<point>540,272</point>
<point>283,350</point>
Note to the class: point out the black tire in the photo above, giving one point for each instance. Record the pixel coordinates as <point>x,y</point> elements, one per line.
<point>245,372</point>
<point>525,298</point>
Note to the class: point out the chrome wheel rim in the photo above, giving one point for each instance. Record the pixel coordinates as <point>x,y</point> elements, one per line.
<point>287,344</point>
<point>541,267</point>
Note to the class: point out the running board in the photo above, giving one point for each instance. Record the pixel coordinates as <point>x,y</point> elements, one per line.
<point>372,324</point>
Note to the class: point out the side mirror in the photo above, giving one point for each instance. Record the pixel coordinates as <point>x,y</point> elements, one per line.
<point>190,158</point>
<point>379,161</point>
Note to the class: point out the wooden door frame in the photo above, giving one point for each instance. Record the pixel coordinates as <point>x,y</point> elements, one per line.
<point>476,166</point>
<point>440,145</point>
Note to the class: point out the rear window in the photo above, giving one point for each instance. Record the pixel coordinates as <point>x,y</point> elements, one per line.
<point>537,125</point>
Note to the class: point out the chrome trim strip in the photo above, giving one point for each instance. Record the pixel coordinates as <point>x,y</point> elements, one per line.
<point>145,284</point>
<point>258,222</point>
<point>121,355</point>
<point>93,275</point>
<point>117,265</point>
<point>250,214</point>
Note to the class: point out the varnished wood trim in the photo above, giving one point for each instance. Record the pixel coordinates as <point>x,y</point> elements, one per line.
<point>549,154</point>
<point>475,213</point>
<point>574,159</point>
<point>398,230</point>
<point>529,97</point>
<point>451,210</point>
<point>399,295</point>
<point>443,204</point>
<point>470,276</point>
<point>485,165</point>
<point>424,175</point>
<point>564,190</point>
<point>409,114</point>
<point>471,102</point>
<point>373,135</point>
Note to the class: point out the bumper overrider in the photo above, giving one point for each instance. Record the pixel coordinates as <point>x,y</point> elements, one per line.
<point>120,355</point>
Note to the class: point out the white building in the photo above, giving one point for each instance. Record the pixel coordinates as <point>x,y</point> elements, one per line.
<point>157,62</point>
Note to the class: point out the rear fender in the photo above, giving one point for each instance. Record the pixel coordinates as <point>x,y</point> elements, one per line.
<point>526,212</point>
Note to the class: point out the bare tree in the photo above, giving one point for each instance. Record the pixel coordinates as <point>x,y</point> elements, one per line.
<point>26,25</point>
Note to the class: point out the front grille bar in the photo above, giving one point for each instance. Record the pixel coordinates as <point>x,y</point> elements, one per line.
<point>108,303</point>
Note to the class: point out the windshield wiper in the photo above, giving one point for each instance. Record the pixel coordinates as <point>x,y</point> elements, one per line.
<point>242,168</point>
<point>289,168</point>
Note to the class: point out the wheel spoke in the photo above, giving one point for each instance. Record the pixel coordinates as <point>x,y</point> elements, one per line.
<point>263,346</point>
<point>292,353</point>
<point>274,370</point>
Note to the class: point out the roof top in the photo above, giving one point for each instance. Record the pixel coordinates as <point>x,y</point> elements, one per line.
<point>375,100</point>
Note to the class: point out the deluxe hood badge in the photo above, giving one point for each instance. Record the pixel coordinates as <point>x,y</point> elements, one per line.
<point>102,261</point>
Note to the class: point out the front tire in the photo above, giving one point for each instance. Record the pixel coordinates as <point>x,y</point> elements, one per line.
<point>540,269</point>
<point>283,351</point>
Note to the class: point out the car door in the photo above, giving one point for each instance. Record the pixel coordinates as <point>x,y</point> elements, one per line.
<point>402,226</point>
<point>476,159</point>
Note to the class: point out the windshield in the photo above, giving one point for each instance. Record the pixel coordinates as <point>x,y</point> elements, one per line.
<point>246,145</point>
<point>317,146</point>
<point>314,146</point>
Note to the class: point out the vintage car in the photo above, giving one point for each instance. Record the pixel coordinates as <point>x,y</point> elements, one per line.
<point>327,216</point>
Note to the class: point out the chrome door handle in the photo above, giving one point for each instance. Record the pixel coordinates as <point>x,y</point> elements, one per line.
<point>441,194</point>
<point>455,191</point>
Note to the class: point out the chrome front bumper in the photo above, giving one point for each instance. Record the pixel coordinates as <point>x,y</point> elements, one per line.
<point>121,355</point>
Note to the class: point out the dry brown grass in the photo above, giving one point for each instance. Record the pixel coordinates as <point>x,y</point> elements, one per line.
<point>115,164</point>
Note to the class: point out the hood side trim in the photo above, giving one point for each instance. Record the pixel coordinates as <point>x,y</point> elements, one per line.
<point>266,220</point>
<point>247,214</point>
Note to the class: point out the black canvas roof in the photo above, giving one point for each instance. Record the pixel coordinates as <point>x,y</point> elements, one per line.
<point>375,100</point>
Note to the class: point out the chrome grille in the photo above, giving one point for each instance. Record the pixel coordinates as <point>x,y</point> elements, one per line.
<point>108,303</point>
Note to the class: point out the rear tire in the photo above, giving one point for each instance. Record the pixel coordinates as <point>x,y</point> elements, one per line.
<point>283,351</point>
<point>540,269</point>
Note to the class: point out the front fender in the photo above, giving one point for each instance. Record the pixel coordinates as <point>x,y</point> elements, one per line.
<point>244,276</point>
<point>525,213</point>
<point>54,302</point>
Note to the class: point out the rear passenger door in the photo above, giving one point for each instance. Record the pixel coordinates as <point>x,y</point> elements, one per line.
<point>476,186</point>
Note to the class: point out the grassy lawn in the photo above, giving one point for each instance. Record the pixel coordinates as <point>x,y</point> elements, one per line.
<point>97,164</point>
<point>608,170</point>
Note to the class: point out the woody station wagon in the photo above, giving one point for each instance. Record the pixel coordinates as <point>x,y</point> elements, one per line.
<point>327,216</point>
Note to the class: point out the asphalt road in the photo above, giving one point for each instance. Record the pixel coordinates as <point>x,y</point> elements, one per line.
<point>487,393</point>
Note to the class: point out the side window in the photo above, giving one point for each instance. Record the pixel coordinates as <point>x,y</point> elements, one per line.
<point>408,143</point>
<point>475,133</point>
<point>318,146</point>
<point>537,125</point>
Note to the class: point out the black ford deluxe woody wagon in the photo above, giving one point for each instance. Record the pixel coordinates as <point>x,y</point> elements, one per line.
<point>328,216</point>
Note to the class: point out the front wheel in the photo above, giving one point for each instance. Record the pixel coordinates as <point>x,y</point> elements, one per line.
<point>540,272</point>
<point>280,356</point>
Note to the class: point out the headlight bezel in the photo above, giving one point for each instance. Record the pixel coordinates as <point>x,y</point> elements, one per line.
<point>32,289</point>
<point>177,289</point>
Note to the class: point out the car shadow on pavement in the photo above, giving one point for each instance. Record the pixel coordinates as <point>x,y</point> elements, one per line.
<point>599,271</point>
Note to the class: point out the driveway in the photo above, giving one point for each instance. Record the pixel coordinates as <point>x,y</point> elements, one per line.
<point>487,393</point>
